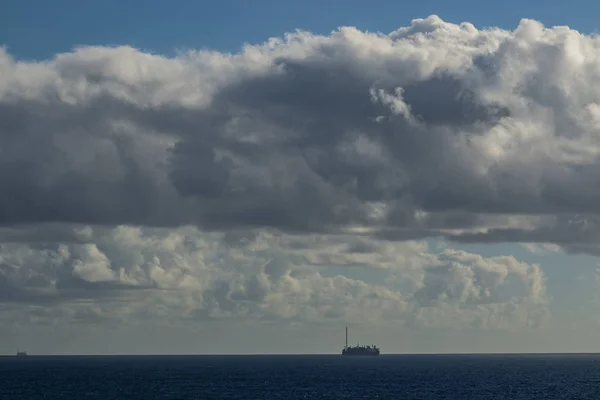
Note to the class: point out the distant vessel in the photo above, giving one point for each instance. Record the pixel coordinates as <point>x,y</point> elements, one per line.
<point>21,353</point>
<point>358,350</point>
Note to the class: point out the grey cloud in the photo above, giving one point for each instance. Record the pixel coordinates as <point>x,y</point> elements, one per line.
<point>46,233</point>
<point>574,233</point>
<point>309,134</point>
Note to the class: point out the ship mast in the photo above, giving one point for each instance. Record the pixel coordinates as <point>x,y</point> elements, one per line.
<point>346,338</point>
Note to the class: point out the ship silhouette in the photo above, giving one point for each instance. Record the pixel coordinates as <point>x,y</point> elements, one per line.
<point>358,350</point>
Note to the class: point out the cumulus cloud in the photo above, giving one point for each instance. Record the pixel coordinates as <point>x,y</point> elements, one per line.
<point>130,274</point>
<point>432,128</point>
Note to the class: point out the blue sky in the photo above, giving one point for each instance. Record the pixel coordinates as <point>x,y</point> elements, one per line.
<point>118,222</point>
<point>38,28</point>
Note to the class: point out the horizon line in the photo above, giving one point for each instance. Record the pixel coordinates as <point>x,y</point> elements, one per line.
<point>295,354</point>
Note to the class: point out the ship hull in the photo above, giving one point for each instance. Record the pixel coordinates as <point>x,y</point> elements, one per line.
<point>360,353</point>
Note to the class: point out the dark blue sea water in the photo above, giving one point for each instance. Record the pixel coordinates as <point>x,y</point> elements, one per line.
<point>302,377</point>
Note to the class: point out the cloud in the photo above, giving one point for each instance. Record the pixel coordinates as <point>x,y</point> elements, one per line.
<point>131,274</point>
<point>541,248</point>
<point>433,128</point>
<point>255,185</point>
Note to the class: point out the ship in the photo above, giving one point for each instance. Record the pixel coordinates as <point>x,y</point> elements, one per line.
<point>21,353</point>
<point>358,350</point>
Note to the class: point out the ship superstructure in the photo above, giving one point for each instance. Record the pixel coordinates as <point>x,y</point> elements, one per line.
<point>358,350</point>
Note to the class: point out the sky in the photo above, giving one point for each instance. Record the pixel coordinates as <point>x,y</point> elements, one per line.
<point>252,177</point>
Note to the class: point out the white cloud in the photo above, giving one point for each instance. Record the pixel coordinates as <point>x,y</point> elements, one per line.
<point>132,273</point>
<point>538,248</point>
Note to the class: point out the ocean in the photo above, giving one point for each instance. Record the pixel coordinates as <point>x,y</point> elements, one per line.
<point>301,377</point>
